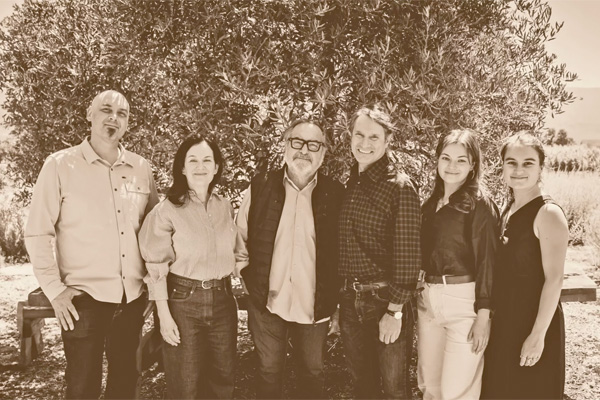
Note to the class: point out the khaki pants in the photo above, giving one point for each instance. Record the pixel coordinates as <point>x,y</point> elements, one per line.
<point>448,368</point>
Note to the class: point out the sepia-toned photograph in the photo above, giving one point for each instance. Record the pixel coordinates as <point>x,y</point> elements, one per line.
<point>299,199</point>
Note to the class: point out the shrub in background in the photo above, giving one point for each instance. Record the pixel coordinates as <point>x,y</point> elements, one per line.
<point>577,193</point>
<point>12,226</point>
<point>580,157</point>
<point>240,70</point>
<point>592,234</point>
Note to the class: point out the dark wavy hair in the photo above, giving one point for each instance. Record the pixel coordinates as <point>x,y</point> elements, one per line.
<point>523,138</point>
<point>378,114</point>
<point>178,193</point>
<point>465,197</point>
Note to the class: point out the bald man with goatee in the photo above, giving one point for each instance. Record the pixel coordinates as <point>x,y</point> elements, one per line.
<point>88,205</point>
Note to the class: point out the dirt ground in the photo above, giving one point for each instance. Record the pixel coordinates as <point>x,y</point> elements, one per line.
<point>44,379</point>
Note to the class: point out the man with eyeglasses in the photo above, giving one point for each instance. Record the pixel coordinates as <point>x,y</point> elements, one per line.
<point>287,254</point>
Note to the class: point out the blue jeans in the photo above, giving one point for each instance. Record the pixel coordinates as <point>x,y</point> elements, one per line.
<point>202,365</point>
<point>110,327</point>
<point>374,365</point>
<point>270,334</point>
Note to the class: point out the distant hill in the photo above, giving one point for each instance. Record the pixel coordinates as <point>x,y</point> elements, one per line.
<point>581,119</point>
<point>591,142</point>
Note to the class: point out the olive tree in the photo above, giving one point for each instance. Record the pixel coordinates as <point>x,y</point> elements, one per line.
<point>239,71</point>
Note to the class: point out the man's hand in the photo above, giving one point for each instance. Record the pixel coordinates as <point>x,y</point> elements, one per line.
<point>64,308</point>
<point>389,328</point>
<point>334,323</point>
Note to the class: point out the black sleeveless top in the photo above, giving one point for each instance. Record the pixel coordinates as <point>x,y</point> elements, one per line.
<point>518,282</point>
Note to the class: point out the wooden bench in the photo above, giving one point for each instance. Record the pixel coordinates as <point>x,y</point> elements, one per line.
<point>577,286</point>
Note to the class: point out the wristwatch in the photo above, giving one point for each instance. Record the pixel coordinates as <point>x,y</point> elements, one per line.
<point>395,314</point>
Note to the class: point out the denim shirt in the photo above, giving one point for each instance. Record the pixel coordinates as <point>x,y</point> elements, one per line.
<point>458,243</point>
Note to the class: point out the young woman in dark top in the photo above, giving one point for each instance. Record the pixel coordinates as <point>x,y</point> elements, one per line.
<point>526,355</point>
<point>459,237</point>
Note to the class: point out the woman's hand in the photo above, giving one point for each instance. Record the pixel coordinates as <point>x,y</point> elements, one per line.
<point>237,269</point>
<point>480,333</point>
<point>532,350</point>
<point>334,324</point>
<point>168,327</point>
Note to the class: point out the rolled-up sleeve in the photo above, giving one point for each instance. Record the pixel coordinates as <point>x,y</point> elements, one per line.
<point>40,231</point>
<point>485,234</point>
<point>406,245</point>
<point>156,247</point>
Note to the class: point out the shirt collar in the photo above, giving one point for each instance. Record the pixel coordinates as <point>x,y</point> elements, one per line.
<point>376,171</point>
<point>90,155</point>
<point>287,179</point>
<point>194,197</point>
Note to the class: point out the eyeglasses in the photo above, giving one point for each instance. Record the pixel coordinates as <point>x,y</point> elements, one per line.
<point>312,145</point>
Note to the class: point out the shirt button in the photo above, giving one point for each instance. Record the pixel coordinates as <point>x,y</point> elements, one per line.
<point>123,278</point>
<point>118,211</point>
<point>122,233</point>
<point>115,189</point>
<point>123,255</point>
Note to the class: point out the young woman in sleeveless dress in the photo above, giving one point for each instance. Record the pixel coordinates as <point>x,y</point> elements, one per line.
<point>525,358</point>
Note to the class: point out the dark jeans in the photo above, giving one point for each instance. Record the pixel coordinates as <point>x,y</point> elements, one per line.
<point>202,365</point>
<point>270,334</point>
<point>110,327</point>
<point>373,364</point>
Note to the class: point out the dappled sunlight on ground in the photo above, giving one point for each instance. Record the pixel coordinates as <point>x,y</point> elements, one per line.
<point>44,378</point>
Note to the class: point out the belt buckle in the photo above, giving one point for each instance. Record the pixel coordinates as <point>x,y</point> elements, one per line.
<point>207,283</point>
<point>354,286</point>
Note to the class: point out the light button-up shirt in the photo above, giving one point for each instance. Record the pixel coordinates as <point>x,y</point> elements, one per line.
<point>292,279</point>
<point>188,240</point>
<point>83,223</point>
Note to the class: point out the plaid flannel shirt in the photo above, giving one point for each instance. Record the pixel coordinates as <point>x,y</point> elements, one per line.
<point>380,230</point>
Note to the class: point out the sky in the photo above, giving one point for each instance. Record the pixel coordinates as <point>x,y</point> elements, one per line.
<point>577,45</point>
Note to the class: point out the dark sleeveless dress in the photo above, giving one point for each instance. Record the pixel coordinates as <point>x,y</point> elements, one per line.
<point>518,281</point>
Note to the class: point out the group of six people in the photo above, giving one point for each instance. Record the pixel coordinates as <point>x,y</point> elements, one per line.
<point>316,257</point>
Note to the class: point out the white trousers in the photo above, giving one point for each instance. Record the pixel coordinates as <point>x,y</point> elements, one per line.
<point>448,368</point>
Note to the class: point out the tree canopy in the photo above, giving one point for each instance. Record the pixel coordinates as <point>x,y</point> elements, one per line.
<point>239,71</point>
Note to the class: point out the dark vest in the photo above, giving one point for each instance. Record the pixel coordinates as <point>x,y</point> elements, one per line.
<point>266,206</point>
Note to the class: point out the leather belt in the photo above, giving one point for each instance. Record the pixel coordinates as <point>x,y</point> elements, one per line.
<point>363,286</point>
<point>197,284</point>
<point>449,279</point>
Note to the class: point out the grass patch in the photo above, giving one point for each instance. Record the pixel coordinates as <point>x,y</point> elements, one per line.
<point>577,193</point>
